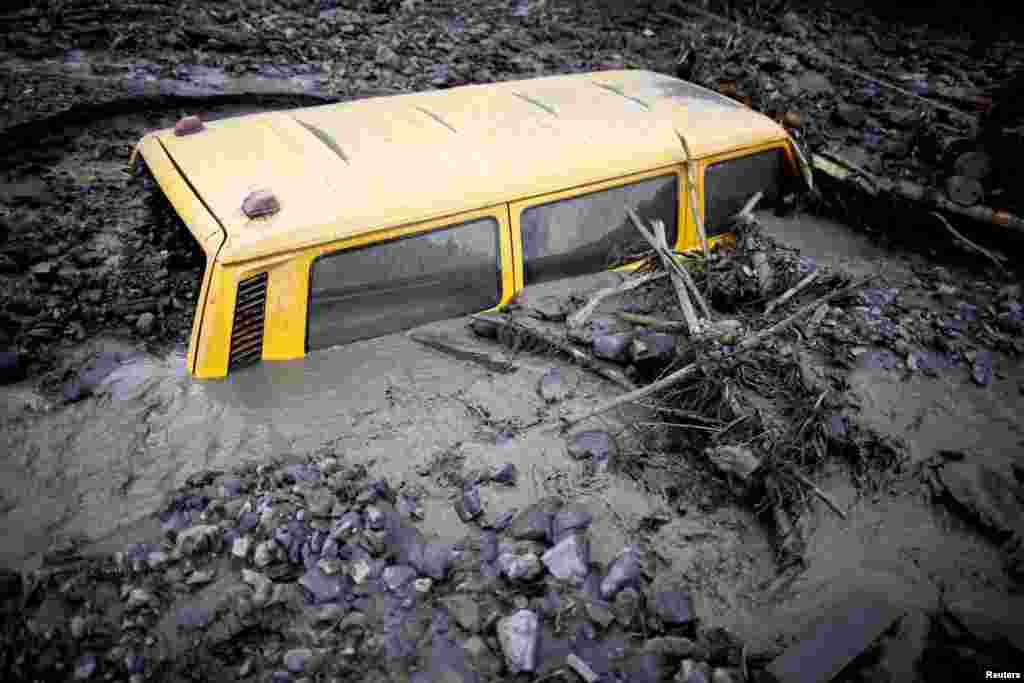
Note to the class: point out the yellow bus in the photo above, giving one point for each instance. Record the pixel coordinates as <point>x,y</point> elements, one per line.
<point>334,223</point>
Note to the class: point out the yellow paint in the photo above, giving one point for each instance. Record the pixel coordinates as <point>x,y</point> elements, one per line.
<point>355,173</point>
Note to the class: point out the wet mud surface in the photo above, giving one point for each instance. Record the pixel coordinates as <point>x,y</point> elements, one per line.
<point>106,433</point>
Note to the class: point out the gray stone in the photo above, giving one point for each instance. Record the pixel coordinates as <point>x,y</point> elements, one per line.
<point>581,668</point>
<point>481,658</point>
<point>600,613</point>
<point>518,636</point>
<point>592,444</point>
<point>330,566</point>
<point>468,505</point>
<point>569,560</point>
<point>266,553</point>
<point>553,387</point>
<point>736,461</point>
<point>613,347</point>
<point>550,308</point>
<point>813,83</point>
<point>625,570</point>
<point>434,559</point>
<point>423,586</point>
<point>534,522</point>
<point>733,675</point>
<point>652,348</point>
<point>506,473</point>
<point>201,577</point>
<point>569,519</point>
<point>674,647</point>
<point>85,667</point>
<point>376,518</point>
<point>322,588</point>
<point>466,610</point>
<point>525,567</point>
<point>201,538</point>
<point>139,597</point>
<point>145,323</point>
<point>241,547</point>
<point>850,114</point>
<point>840,635</point>
<point>300,660</point>
<point>691,671</point>
<point>627,605</point>
<point>398,576</point>
<point>673,605</point>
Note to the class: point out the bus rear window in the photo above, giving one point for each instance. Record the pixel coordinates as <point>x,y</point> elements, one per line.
<point>391,286</point>
<point>591,232</point>
<point>729,184</point>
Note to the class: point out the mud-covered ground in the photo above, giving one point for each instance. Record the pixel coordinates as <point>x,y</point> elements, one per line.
<point>105,439</point>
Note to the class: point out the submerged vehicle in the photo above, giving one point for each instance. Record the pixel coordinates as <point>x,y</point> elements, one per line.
<point>329,224</point>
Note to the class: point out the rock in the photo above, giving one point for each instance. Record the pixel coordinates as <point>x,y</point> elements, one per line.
<point>300,660</point>
<point>625,570</point>
<point>581,668</point>
<point>550,308</point>
<point>792,24</point>
<point>569,560</point>
<point>594,444</point>
<point>145,323</point>
<point>984,494</point>
<point>981,368</point>
<point>525,567</point>
<point>534,522</point>
<point>85,667</point>
<point>434,559</point>
<point>506,474</point>
<point>139,597</point>
<point>673,605</point>
<point>850,114</point>
<point>693,672</point>
<point>423,586</point>
<point>652,348</point>
<point>553,387</point>
<point>600,613</point>
<point>468,506</point>
<point>569,519</point>
<point>613,347</point>
<point>813,83</point>
<point>201,538</point>
<point>330,566</point>
<point>674,647</point>
<point>480,657</point>
<point>466,610</point>
<point>241,547</point>
<point>201,577</point>
<point>376,518</point>
<point>259,582</point>
<point>964,191</point>
<point>841,635</point>
<point>11,368</point>
<point>266,554</point>
<point>627,605</point>
<point>518,636</point>
<point>398,576</point>
<point>722,648</point>
<point>322,588</point>
<point>737,461</point>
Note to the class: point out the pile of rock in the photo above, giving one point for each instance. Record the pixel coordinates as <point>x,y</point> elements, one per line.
<point>303,570</point>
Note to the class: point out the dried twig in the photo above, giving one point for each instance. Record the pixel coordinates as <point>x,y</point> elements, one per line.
<point>816,491</point>
<point>692,369</point>
<point>689,314</point>
<point>790,293</point>
<point>580,317</point>
<point>994,258</point>
<point>653,323</point>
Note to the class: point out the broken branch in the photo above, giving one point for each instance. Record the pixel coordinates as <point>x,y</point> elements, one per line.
<point>690,370</point>
<point>689,314</point>
<point>791,292</point>
<point>653,323</point>
<point>817,491</point>
<point>997,260</point>
<point>583,359</point>
<point>580,317</point>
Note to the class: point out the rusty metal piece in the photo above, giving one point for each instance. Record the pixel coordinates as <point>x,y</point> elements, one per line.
<point>188,125</point>
<point>260,203</point>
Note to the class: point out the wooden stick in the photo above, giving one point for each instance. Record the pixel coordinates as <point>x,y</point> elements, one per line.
<point>446,344</point>
<point>690,370</point>
<point>997,260</point>
<point>689,314</point>
<point>820,59</point>
<point>790,293</point>
<point>817,491</point>
<point>681,270</point>
<point>747,212</point>
<point>654,323</point>
<point>580,317</point>
<point>581,358</point>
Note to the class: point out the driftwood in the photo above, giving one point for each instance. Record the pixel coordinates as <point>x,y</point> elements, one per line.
<point>580,317</point>
<point>657,241</point>
<point>581,358</point>
<point>454,348</point>
<point>653,323</point>
<point>688,371</point>
<point>790,293</point>
<point>994,258</point>
<point>841,170</point>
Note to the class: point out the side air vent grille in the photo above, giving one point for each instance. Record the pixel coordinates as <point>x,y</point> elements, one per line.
<point>247,330</point>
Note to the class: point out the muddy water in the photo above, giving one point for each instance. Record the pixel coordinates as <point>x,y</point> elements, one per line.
<point>100,467</point>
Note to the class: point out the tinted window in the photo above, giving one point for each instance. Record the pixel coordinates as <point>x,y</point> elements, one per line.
<point>729,184</point>
<point>391,286</point>
<point>590,233</point>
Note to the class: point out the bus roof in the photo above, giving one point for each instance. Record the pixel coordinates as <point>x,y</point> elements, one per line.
<point>343,169</point>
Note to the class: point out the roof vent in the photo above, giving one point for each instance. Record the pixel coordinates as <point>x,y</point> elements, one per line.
<point>260,203</point>
<point>188,125</point>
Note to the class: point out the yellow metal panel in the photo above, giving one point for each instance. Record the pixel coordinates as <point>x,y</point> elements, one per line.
<point>200,223</point>
<point>392,161</point>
